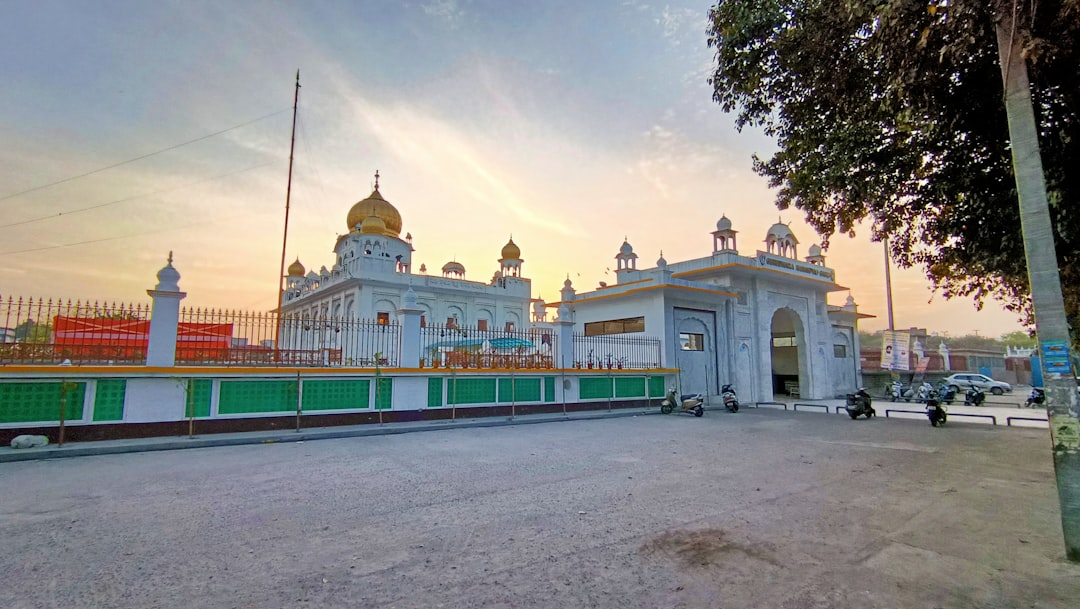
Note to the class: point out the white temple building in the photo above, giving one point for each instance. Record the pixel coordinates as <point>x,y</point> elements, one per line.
<point>373,270</point>
<point>759,322</point>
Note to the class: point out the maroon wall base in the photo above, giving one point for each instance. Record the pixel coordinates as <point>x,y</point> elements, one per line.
<point>121,431</point>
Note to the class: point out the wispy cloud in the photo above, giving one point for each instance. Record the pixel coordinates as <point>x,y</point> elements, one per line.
<point>448,12</point>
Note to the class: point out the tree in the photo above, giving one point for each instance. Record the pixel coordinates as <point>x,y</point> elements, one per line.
<point>1018,339</point>
<point>892,113</point>
<point>31,331</point>
<point>897,133</point>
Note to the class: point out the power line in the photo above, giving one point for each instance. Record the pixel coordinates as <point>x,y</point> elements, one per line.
<point>139,158</point>
<point>72,212</point>
<point>104,239</point>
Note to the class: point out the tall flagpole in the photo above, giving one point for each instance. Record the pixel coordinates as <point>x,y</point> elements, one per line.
<point>285,236</point>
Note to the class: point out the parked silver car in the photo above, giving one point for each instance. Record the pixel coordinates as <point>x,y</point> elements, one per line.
<point>961,381</point>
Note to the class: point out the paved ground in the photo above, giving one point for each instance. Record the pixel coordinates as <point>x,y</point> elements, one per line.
<point>764,508</point>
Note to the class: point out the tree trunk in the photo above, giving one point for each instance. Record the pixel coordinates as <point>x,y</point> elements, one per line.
<point>1050,321</point>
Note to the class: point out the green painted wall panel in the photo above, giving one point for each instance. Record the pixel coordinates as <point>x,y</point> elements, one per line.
<point>549,389</point>
<point>522,390</point>
<point>337,394</point>
<point>630,387</point>
<point>656,387</point>
<point>384,397</point>
<point>109,400</point>
<point>200,393</point>
<point>594,387</point>
<point>470,391</point>
<point>247,397</point>
<point>33,402</point>
<point>434,392</point>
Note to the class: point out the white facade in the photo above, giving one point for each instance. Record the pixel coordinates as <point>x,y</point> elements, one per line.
<point>373,271</point>
<point>759,322</point>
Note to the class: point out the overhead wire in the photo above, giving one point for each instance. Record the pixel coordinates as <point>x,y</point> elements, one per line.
<point>80,210</point>
<point>141,157</point>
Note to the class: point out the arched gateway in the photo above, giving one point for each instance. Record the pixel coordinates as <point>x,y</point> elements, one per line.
<point>788,354</point>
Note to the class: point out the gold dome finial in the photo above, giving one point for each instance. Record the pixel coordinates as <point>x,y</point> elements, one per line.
<point>296,269</point>
<point>375,205</point>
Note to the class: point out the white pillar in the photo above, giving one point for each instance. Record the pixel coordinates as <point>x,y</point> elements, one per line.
<point>164,318</point>
<point>565,327</point>
<point>410,331</point>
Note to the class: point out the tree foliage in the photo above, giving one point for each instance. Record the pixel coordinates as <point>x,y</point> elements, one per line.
<point>891,111</point>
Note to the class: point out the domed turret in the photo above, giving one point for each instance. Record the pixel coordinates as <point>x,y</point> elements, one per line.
<point>724,237</point>
<point>510,263</point>
<point>454,270</point>
<point>511,251</point>
<point>781,241</point>
<point>373,225</point>
<point>376,205</point>
<point>296,269</point>
<point>723,223</point>
<point>626,259</point>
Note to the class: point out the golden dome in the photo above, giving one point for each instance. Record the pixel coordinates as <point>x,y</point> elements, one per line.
<point>511,251</point>
<point>296,269</point>
<point>373,225</point>
<point>379,207</point>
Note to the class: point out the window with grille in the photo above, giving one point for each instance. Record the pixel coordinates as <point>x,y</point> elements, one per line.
<point>615,326</point>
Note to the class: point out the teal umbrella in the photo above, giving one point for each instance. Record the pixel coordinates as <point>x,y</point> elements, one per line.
<point>511,342</point>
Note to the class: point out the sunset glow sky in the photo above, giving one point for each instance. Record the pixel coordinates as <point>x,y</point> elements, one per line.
<point>567,124</point>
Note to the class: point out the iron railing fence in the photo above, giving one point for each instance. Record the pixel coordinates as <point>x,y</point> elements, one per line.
<point>240,338</point>
<point>459,347</point>
<point>616,352</point>
<point>40,331</point>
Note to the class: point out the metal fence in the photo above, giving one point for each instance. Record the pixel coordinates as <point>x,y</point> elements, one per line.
<point>457,347</point>
<point>40,331</point>
<point>239,338</point>
<point>616,352</point>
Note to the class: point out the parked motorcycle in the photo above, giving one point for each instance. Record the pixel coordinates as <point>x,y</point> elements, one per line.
<point>974,396</point>
<point>731,401</point>
<point>688,402</point>
<point>1037,397</point>
<point>946,393</point>
<point>858,404</point>
<point>936,412</point>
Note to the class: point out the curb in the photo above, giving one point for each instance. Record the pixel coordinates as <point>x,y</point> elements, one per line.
<point>11,455</point>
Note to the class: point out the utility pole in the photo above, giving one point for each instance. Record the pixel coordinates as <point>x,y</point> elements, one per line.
<point>1051,324</point>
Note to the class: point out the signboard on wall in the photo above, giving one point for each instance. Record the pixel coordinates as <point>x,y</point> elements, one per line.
<point>894,350</point>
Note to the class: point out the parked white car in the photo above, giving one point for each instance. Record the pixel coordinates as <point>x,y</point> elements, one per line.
<point>960,382</point>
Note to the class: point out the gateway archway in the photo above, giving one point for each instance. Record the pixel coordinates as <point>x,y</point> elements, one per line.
<point>788,354</point>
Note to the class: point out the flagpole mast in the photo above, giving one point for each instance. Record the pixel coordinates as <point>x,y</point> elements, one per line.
<point>285,236</point>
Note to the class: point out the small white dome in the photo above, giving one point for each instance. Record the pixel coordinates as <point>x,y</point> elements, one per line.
<point>723,223</point>
<point>626,249</point>
<point>815,250</point>
<point>454,267</point>
<point>661,262</point>
<point>781,231</point>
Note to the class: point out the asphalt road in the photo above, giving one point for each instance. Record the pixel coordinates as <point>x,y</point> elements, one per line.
<point>762,508</point>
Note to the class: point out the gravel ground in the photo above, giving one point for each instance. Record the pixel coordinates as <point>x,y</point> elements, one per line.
<point>763,508</point>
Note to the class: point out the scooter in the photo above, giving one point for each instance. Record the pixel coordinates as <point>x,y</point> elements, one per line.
<point>936,412</point>
<point>896,391</point>
<point>1037,397</point>
<point>946,393</point>
<point>974,397</point>
<point>731,401</point>
<point>688,402</point>
<point>925,391</point>
<point>858,404</point>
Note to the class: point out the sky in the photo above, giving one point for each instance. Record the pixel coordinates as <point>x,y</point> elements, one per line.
<point>568,125</point>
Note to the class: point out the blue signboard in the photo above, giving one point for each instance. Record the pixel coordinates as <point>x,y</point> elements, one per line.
<point>1056,356</point>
